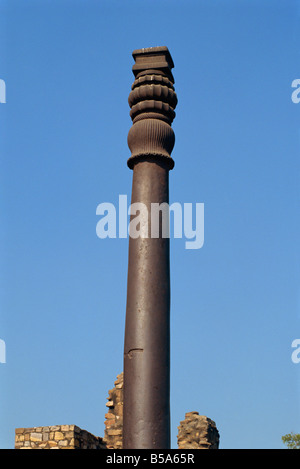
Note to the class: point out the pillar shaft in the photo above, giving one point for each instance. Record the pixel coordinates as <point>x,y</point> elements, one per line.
<point>146,421</point>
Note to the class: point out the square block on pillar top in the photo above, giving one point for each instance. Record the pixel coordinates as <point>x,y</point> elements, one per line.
<point>153,58</point>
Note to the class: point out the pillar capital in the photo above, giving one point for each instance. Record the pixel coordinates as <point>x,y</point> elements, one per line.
<point>152,101</point>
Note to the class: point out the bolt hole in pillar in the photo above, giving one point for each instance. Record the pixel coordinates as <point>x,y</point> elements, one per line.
<point>147,328</point>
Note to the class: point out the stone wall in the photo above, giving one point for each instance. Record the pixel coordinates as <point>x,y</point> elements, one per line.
<point>56,437</point>
<point>113,433</point>
<point>194,432</point>
<point>197,432</point>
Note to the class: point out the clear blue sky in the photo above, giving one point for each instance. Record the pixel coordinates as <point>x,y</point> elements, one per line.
<point>63,131</point>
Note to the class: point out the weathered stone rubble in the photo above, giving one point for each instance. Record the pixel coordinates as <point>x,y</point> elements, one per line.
<point>197,432</point>
<point>113,433</point>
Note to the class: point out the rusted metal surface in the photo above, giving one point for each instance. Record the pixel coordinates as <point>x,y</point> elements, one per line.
<point>151,139</point>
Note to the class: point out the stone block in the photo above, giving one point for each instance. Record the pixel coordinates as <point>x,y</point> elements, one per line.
<point>197,432</point>
<point>57,437</point>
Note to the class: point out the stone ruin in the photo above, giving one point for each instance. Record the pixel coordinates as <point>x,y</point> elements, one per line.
<point>197,432</point>
<point>57,437</point>
<point>194,432</point>
<point>113,433</point>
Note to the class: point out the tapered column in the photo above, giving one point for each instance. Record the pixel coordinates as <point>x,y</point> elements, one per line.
<point>151,139</point>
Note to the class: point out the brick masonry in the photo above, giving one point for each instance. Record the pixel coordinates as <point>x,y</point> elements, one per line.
<point>56,437</point>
